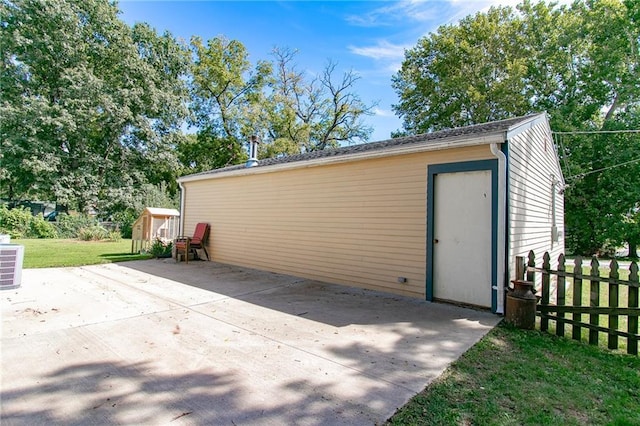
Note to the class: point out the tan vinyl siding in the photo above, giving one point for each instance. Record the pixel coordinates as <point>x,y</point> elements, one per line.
<point>532,162</point>
<point>360,223</point>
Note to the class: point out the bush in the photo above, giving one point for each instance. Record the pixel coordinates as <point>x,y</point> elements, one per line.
<point>93,233</point>
<point>15,222</point>
<point>161,249</point>
<point>124,221</point>
<point>20,223</point>
<point>70,226</point>
<point>114,236</point>
<point>40,228</point>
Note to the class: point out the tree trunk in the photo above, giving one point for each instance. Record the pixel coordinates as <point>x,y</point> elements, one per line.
<point>633,249</point>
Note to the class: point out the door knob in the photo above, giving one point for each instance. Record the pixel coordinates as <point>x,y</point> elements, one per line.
<point>436,241</point>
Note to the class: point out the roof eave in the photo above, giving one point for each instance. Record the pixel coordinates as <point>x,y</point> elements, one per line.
<point>453,142</point>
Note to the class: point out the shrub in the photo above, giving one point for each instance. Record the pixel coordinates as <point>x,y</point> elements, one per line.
<point>124,221</point>
<point>20,223</point>
<point>15,222</point>
<point>69,226</point>
<point>93,233</point>
<point>161,249</point>
<point>40,228</point>
<point>114,236</point>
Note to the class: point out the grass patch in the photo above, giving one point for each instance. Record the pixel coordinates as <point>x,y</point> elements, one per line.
<point>51,253</point>
<point>516,377</point>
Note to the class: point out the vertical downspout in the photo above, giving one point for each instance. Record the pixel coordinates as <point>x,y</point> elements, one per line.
<point>181,222</point>
<point>502,194</point>
<point>554,225</point>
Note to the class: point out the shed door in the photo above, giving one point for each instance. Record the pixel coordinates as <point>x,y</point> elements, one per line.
<point>462,237</point>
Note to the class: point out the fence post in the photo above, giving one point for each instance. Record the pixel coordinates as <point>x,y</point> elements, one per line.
<point>546,283</point>
<point>520,268</point>
<point>632,322</point>
<point>594,299</point>
<point>561,295</point>
<point>531,275</point>
<point>613,303</point>
<point>576,332</point>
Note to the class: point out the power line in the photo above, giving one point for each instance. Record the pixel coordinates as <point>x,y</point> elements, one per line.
<point>581,175</point>
<point>559,144</point>
<point>595,132</point>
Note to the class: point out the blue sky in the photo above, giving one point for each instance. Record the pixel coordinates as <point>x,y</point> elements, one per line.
<point>367,37</point>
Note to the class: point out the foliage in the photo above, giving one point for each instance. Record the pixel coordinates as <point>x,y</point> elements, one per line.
<point>90,107</point>
<point>40,228</point>
<point>578,62</point>
<point>124,209</point>
<point>93,233</point>
<point>224,90</point>
<point>124,222</point>
<point>603,193</point>
<point>114,236</point>
<point>69,225</point>
<point>20,223</point>
<point>56,253</point>
<point>161,248</point>
<point>505,63</point>
<point>303,115</point>
<point>15,222</point>
<point>289,112</point>
<point>566,383</point>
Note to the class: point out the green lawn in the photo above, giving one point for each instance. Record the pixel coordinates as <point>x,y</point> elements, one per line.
<point>515,377</point>
<point>50,253</point>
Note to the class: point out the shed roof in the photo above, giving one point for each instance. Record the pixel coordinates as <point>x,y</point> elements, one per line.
<point>157,211</point>
<point>445,138</point>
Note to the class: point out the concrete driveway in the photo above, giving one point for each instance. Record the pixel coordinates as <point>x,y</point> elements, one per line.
<point>154,342</point>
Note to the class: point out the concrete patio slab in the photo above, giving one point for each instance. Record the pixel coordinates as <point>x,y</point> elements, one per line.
<point>155,342</point>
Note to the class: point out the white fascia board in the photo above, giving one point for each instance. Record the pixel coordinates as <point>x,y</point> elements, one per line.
<point>527,124</point>
<point>459,142</point>
<point>540,119</point>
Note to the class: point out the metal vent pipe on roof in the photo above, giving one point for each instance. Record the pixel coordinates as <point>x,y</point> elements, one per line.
<point>253,152</point>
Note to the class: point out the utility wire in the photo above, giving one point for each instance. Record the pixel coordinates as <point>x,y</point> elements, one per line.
<point>560,145</point>
<point>581,175</point>
<point>595,132</point>
<point>590,132</point>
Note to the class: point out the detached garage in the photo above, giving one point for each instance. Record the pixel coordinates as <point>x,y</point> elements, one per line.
<point>438,216</point>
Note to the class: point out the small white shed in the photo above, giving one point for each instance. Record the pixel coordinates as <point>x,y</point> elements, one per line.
<point>438,216</point>
<point>154,223</point>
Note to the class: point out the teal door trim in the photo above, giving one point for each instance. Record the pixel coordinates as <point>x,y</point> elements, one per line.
<point>466,166</point>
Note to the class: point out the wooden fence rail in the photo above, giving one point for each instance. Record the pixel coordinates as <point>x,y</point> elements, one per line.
<point>595,297</point>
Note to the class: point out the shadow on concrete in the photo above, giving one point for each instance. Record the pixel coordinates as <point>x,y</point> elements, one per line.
<point>195,398</point>
<point>340,355</point>
<point>331,304</point>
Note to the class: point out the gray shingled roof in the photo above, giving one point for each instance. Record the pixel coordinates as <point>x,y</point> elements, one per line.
<point>425,138</point>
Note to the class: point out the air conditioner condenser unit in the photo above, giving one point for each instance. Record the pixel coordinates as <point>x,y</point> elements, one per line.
<point>11,256</point>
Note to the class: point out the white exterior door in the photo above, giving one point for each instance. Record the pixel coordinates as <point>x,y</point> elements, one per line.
<point>462,237</point>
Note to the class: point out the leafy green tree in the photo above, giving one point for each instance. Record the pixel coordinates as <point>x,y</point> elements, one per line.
<point>603,177</point>
<point>225,91</point>
<point>580,63</point>
<point>290,113</point>
<point>88,104</point>
<point>304,115</point>
<point>463,74</point>
<point>573,62</point>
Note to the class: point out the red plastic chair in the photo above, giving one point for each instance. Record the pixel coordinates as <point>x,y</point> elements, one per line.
<point>185,244</point>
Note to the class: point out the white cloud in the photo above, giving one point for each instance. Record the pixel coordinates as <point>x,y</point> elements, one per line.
<point>391,13</point>
<point>382,50</point>
<point>428,11</point>
<point>379,112</point>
